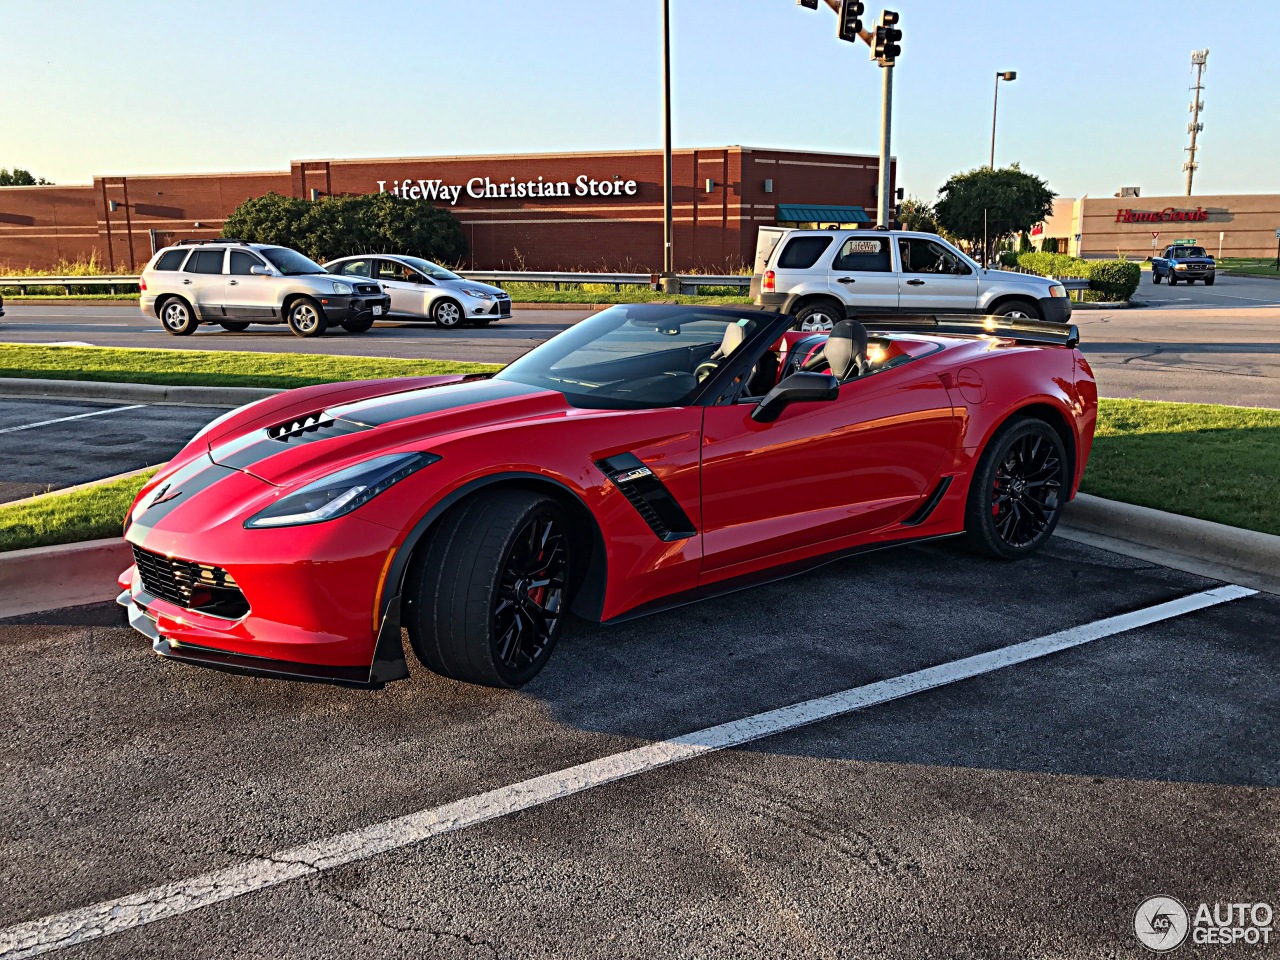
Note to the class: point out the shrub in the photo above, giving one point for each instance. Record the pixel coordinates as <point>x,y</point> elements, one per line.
<point>1050,245</point>
<point>1114,279</point>
<point>1008,258</point>
<point>1053,265</point>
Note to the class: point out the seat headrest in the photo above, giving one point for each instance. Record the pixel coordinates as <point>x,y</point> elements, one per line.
<point>731,341</point>
<point>846,349</point>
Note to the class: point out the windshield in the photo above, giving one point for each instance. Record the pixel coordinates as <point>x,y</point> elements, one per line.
<point>635,356</point>
<point>290,262</point>
<point>1181,252</point>
<point>432,270</point>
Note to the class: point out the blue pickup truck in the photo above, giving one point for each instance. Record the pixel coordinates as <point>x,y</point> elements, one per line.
<point>1183,261</point>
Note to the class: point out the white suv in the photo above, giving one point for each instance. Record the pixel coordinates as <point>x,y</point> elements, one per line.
<point>824,276</point>
<point>233,284</point>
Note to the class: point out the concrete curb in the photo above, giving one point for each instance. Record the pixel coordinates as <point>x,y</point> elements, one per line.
<point>68,575</point>
<point>37,497</point>
<point>1215,550</point>
<point>1105,305</point>
<point>132,392</point>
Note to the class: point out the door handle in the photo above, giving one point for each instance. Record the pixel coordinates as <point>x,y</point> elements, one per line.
<point>846,280</point>
<point>186,281</point>
<point>915,283</point>
<point>233,282</point>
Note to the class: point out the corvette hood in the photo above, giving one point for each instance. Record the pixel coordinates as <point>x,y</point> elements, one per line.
<point>310,444</point>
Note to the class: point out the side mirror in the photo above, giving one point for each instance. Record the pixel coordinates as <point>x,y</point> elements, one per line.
<point>258,270</point>
<point>802,387</point>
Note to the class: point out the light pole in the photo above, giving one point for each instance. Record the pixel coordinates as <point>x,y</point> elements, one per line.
<point>667,259</point>
<point>995,104</point>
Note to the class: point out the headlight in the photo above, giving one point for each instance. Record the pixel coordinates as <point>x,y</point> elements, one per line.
<point>1057,290</point>
<point>341,492</point>
<point>478,294</point>
<point>342,288</point>
<point>1181,266</point>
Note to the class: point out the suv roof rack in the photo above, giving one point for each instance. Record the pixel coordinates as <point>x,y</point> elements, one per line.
<point>193,243</point>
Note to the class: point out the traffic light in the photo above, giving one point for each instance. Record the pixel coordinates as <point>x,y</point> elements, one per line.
<point>899,195</point>
<point>849,22</point>
<point>886,48</point>
<point>811,4</point>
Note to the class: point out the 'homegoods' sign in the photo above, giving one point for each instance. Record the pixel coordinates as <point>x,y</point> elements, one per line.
<point>1127,215</point>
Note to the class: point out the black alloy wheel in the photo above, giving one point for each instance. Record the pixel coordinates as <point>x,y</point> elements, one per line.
<point>486,596</point>
<point>1018,491</point>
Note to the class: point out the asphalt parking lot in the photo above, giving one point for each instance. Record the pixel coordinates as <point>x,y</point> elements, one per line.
<point>1023,812</point>
<point>50,444</point>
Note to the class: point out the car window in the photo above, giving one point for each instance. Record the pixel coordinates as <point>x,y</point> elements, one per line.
<point>170,260</point>
<point>926,256</point>
<point>432,270</point>
<point>393,270</point>
<point>1181,252</point>
<point>205,261</point>
<point>290,262</point>
<point>800,253</point>
<point>241,263</point>
<point>861,254</point>
<point>354,268</point>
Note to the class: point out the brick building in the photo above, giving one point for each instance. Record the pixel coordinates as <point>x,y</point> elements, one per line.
<point>589,211</point>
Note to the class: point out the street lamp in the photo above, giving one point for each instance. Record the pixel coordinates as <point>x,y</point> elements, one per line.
<point>1005,75</point>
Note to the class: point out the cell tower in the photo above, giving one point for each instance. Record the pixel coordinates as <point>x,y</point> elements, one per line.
<point>1198,60</point>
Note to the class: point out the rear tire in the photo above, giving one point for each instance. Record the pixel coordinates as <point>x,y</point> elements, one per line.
<point>177,317</point>
<point>306,318</point>
<point>234,326</point>
<point>1155,277</point>
<point>361,325</point>
<point>486,596</point>
<point>1017,491</point>
<point>818,317</point>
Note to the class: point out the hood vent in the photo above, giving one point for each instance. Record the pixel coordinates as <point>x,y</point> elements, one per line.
<point>313,426</point>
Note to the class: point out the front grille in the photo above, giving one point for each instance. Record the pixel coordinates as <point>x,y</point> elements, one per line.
<point>195,586</point>
<point>366,288</point>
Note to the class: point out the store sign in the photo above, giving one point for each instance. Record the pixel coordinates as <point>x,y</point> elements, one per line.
<point>1167,215</point>
<point>483,188</point>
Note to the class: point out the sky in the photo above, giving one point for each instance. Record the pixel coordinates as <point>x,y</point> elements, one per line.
<point>115,87</point>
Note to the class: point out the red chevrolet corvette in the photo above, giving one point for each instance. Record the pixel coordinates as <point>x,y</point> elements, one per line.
<point>648,456</point>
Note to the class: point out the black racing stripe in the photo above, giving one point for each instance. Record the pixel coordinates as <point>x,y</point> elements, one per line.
<point>243,452</point>
<point>195,477</point>
<point>400,406</point>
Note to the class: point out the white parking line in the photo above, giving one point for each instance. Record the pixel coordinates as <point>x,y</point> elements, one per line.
<point>78,416</point>
<point>110,917</point>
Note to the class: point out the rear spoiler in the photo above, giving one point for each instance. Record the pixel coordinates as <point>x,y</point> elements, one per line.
<point>1023,331</point>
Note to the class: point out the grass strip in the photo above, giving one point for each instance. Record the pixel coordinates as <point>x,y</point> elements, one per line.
<point>212,368</point>
<point>93,513</point>
<point>1250,266</point>
<point>1198,459</point>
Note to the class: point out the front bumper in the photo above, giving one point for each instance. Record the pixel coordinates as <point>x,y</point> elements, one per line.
<point>354,307</point>
<point>1055,309</point>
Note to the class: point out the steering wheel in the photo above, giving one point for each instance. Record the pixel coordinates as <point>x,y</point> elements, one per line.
<point>706,369</point>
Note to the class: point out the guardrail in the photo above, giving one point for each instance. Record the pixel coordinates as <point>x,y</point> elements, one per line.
<point>689,283</point>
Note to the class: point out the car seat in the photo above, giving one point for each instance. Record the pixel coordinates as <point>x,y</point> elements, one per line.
<point>845,352</point>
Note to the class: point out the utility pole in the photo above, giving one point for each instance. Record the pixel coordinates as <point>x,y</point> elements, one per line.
<point>668,258</point>
<point>886,124</point>
<point>1198,60</point>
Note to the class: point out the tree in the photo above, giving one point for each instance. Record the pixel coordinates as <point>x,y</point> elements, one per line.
<point>334,227</point>
<point>17,177</point>
<point>918,214</point>
<point>1011,200</point>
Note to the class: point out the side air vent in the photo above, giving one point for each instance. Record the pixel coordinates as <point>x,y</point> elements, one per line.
<point>314,426</point>
<point>926,509</point>
<point>652,500</point>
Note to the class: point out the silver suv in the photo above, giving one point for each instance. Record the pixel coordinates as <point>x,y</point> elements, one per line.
<point>824,276</point>
<point>234,283</point>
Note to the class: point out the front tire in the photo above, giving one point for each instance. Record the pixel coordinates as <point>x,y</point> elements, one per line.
<point>1208,281</point>
<point>1018,310</point>
<point>306,318</point>
<point>177,317</point>
<point>1173,281</point>
<point>1018,490</point>
<point>485,599</point>
<point>446,313</point>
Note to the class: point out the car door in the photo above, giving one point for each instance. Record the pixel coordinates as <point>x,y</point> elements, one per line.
<point>934,278</point>
<point>404,285</point>
<point>824,474</point>
<point>248,296</point>
<point>861,274</point>
<point>204,284</point>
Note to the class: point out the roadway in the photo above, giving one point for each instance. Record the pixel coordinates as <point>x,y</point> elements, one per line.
<point>1024,811</point>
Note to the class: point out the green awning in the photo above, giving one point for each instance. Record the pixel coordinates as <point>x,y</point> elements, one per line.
<point>804,213</point>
